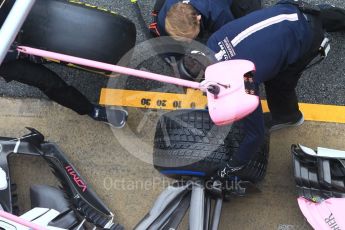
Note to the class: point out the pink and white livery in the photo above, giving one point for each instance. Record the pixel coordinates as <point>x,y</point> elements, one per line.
<point>327,215</point>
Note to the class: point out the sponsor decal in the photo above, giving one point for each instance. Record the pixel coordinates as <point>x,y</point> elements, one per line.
<point>227,50</point>
<point>76,178</point>
<point>332,223</point>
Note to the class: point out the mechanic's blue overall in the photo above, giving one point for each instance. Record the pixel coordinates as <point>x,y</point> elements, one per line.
<point>213,15</point>
<point>281,41</point>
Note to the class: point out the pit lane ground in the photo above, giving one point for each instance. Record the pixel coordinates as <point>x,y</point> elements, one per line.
<point>128,185</point>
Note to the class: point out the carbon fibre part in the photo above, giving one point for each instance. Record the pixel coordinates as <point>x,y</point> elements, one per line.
<point>316,177</point>
<point>83,199</point>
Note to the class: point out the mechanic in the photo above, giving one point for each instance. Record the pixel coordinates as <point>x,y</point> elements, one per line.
<point>189,17</point>
<point>281,41</point>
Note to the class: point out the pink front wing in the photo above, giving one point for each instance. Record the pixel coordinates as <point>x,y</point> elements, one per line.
<point>232,103</point>
<point>326,215</point>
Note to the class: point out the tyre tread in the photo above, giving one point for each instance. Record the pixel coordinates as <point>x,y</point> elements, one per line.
<point>186,137</point>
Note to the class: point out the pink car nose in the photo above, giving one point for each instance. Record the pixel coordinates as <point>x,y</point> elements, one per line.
<point>328,214</point>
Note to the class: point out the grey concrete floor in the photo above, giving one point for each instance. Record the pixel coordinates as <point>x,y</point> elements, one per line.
<point>129,186</point>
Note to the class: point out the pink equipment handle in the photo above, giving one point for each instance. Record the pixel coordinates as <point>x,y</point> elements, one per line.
<point>230,104</point>
<point>108,67</point>
<point>233,103</point>
<point>21,221</point>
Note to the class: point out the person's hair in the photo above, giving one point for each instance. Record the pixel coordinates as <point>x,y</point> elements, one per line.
<point>182,21</point>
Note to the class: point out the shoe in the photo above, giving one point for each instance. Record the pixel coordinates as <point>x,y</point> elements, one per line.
<point>274,125</point>
<point>114,117</point>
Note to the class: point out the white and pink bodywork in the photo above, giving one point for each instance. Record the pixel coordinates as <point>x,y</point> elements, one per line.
<point>35,219</point>
<point>327,215</point>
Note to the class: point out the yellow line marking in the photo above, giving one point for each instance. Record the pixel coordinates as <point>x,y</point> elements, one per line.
<point>327,113</point>
<point>318,112</point>
<point>196,99</point>
<point>153,100</point>
<point>92,6</point>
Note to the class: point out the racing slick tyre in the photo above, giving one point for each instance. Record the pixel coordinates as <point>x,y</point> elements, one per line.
<point>187,142</point>
<point>78,29</point>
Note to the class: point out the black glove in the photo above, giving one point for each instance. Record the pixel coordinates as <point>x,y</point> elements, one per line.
<point>13,54</point>
<point>193,65</point>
